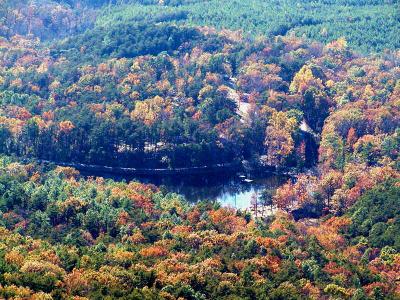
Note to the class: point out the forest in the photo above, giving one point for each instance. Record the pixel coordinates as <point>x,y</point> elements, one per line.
<point>368,25</point>
<point>310,89</point>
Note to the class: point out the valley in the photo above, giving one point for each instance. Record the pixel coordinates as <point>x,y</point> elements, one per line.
<point>199,149</point>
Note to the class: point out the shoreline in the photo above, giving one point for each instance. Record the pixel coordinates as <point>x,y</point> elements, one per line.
<point>219,168</point>
<point>203,170</point>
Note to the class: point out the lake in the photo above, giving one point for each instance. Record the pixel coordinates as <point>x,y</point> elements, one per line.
<point>234,190</point>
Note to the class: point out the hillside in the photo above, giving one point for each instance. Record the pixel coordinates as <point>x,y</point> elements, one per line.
<point>368,25</point>
<point>310,89</point>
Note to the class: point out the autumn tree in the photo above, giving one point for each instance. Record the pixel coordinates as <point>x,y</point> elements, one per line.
<point>279,140</point>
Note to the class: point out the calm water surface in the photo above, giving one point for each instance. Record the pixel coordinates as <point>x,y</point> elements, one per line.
<point>235,190</point>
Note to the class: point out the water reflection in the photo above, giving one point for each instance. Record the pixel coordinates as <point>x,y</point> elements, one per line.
<point>235,190</point>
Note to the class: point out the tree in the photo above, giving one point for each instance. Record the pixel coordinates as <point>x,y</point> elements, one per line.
<point>285,197</point>
<point>279,138</point>
<point>266,198</point>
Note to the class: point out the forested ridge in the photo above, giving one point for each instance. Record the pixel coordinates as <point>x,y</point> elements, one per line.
<point>206,98</point>
<point>368,25</point>
<point>312,87</point>
<point>63,236</point>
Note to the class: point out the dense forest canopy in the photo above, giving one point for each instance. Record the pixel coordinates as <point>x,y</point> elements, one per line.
<point>192,97</point>
<point>312,87</point>
<point>63,236</point>
<point>368,25</point>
